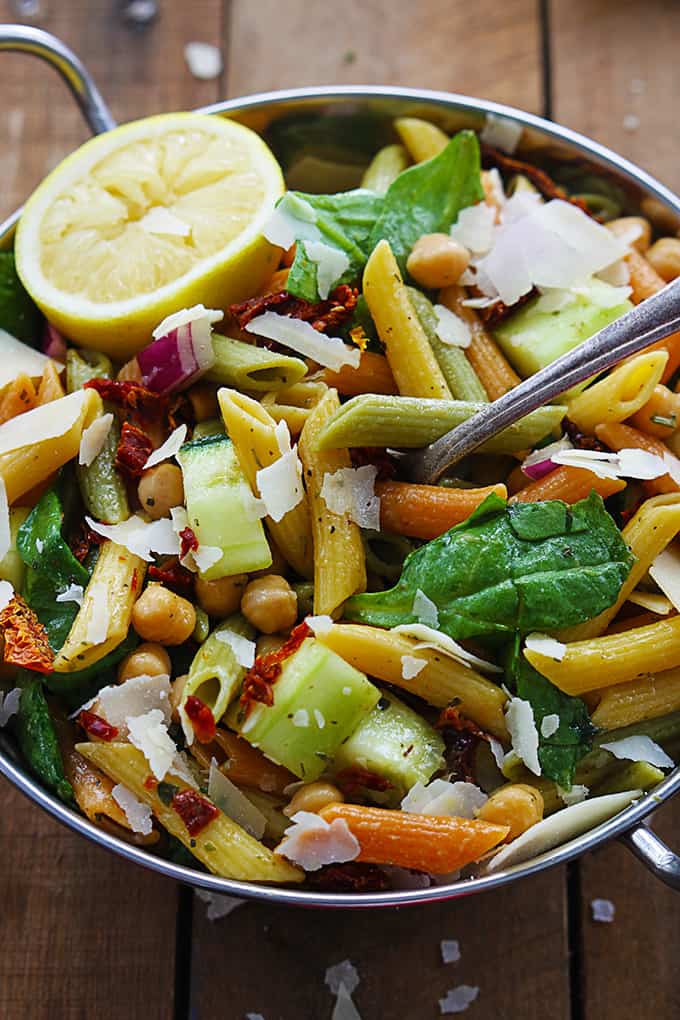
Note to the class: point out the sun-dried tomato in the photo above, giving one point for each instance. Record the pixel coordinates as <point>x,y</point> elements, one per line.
<point>134,448</point>
<point>323,315</point>
<point>202,719</point>
<point>82,541</point>
<point>493,315</point>
<point>25,639</point>
<point>450,716</point>
<point>95,726</point>
<point>263,674</point>
<point>187,542</point>
<point>195,811</point>
<point>579,439</point>
<point>172,575</point>
<point>352,877</point>
<point>150,783</point>
<point>542,181</point>
<point>355,778</point>
<point>461,738</point>
<point>379,458</point>
<point>130,396</point>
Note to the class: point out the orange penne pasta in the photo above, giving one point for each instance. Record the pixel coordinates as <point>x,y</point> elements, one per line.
<point>664,406</point>
<point>19,396</point>
<point>373,375</point>
<point>50,387</point>
<point>623,437</point>
<point>569,484</point>
<point>426,511</point>
<point>494,370</point>
<point>243,764</point>
<point>422,842</point>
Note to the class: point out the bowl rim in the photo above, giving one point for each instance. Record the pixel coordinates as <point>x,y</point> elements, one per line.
<point>616,826</point>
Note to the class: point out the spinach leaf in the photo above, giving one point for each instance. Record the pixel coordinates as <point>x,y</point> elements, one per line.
<point>37,736</point>
<point>426,198</point>
<point>559,753</point>
<point>508,569</point>
<point>50,567</point>
<point>18,313</point>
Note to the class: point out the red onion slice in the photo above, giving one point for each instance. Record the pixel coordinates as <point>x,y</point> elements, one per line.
<point>181,352</point>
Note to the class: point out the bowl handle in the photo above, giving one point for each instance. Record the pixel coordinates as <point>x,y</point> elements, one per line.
<point>654,854</point>
<point>41,44</point>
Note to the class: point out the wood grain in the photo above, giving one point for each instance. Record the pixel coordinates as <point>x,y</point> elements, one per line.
<point>615,75</point>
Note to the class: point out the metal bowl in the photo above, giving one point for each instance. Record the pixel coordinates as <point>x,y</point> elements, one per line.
<point>324,137</point>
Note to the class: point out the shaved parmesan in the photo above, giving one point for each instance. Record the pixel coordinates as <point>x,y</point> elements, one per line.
<point>351,491</point>
<point>474,228</point>
<point>5,532</point>
<point>6,594</point>
<point>550,724</point>
<point>186,316</point>
<point>342,973</point>
<point>313,842</point>
<point>181,767</point>
<point>603,911</point>
<point>497,751</point>
<point>450,950</point>
<point>301,718</point>
<point>293,219</point>
<point>574,795</point>
<point>411,666</point>
<point>427,637</point>
<point>541,460</point>
<point>658,604</point>
<point>629,463</point>
<point>344,1006</point>
<point>440,797</point>
<point>138,814</point>
<point>17,358</point>
<point>9,705</point>
<point>560,827</point>
<point>168,449</point>
<point>74,593</point>
<point>519,717</point>
<point>206,556</point>
<point>425,609</point>
<point>140,537</point>
<point>98,624</point>
<point>242,647</point>
<point>665,571</point>
<point>458,999</point>
<point>451,329</point>
<point>149,734</point>
<point>280,483</point>
<point>319,625</point>
<point>93,439</point>
<point>135,697</point>
<point>159,220</point>
<point>49,421</point>
<point>331,263</point>
<point>203,60</point>
<point>219,906</point>
<point>329,351</point>
<point>639,748</point>
<point>501,133</point>
<point>546,645</point>
<point>229,799</point>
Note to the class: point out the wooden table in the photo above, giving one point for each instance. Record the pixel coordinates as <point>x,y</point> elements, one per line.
<point>84,935</point>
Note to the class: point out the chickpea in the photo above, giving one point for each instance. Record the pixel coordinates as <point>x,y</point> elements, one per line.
<point>160,615</point>
<point>626,225</point>
<point>148,659</point>
<point>222,596</point>
<point>436,260</point>
<point>270,604</point>
<point>203,399</point>
<point>665,257</point>
<point>312,797</point>
<point>518,805</point>
<point>267,643</point>
<point>160,489</point>
<point>176,692</point>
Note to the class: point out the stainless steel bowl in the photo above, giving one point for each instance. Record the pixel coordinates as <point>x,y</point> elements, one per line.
<point>324,137</point>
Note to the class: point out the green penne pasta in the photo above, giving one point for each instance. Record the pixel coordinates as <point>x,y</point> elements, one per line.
<point>215,673</point>
<point>250,368</point>
<point>456,369</point>
<point>384,168</point>
<point>376,420</point>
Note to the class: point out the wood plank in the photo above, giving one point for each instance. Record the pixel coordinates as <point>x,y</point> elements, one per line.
<point>272,960</point>
<point>84,935</point>
<point>139,70</point>
<point>616,76</point>
<point>484,49</point>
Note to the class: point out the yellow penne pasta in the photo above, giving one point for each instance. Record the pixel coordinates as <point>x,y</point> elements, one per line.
<point>620,394</point>
<point>294,403</point>
<point>251,430</point>
<point>648,532</point>
<point>414,366</point>
<point>103,619</point>
<point>422,139</point>
<point>443,680</point>
<point>612,659</point>
<point>646,698</point>
<point>339,560</point>
<point>222,846</point>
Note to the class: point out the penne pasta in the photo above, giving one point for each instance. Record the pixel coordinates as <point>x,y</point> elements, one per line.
<point>426,511</point>
<point>255,369</point>
<point>456,369</point>
<point>373,375</point>
<point>660,416</point>
<point>620,394</point>
<point>222,846</point>
<point>422,139</point>
<point>645,698</point>
<point>339,561</point>
<point>215,674</point>
<point>17,397</point>
<point>409,354</point>
<point>293,403</point>
<point>385,167</point>
<point>569,484</point>
<point>488,361</point>
<point>50,387</point>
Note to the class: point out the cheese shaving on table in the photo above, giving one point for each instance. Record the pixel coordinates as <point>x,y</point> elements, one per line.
<point>242,647</point>
<point>331,263</point>
<point>74,593</point>
<point>411,666</point>
<point>9,705</point>
<point>5,532</point>
<point>293,219</point>
<point>233,803</point>
<point>313,842</point>
<point>98,624</point>
<point>300,336</point>
<point>428,638</point>
<point>450,950</point>
<point>319,625</point>
<point>342,973</point>
<point>168,449</point>
<point>140,537</point>
<point>519,717</point>
<point>186,316</point>
<point>458,999</point>
<point>351,491</point>
<point>629,463</point>
<point>574,795</point>
<point>93,439</point>
<point>219,906</point>
<point>603,911</point>
<point>546,645</point>
<point>136,696</point>
<point>425,609</point>
<point>280,483</point>
<point>474,228</point>
<point>203,60</point>
<point>149,734</point>
<point>138,814</point>
<point>451,329</point>
<point>6,594</point>
<point>501,133</point>
<point>344,1006</point>
<point>665,571</point>
<point>550,724</point>
<point>159,220</point>
<point>639,748</point>
<point>48,421</point>
<point>443,798</point>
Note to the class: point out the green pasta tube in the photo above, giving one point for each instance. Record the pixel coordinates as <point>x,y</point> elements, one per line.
<point>456,369</point>
<point>253,369</point>
<point>81,366</point>
<point>630,775</point>
<point>384,168</point>
<point>378,420</point>
<point>215,673</point>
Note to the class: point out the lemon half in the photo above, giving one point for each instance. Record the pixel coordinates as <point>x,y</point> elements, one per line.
<point>156,215</point>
